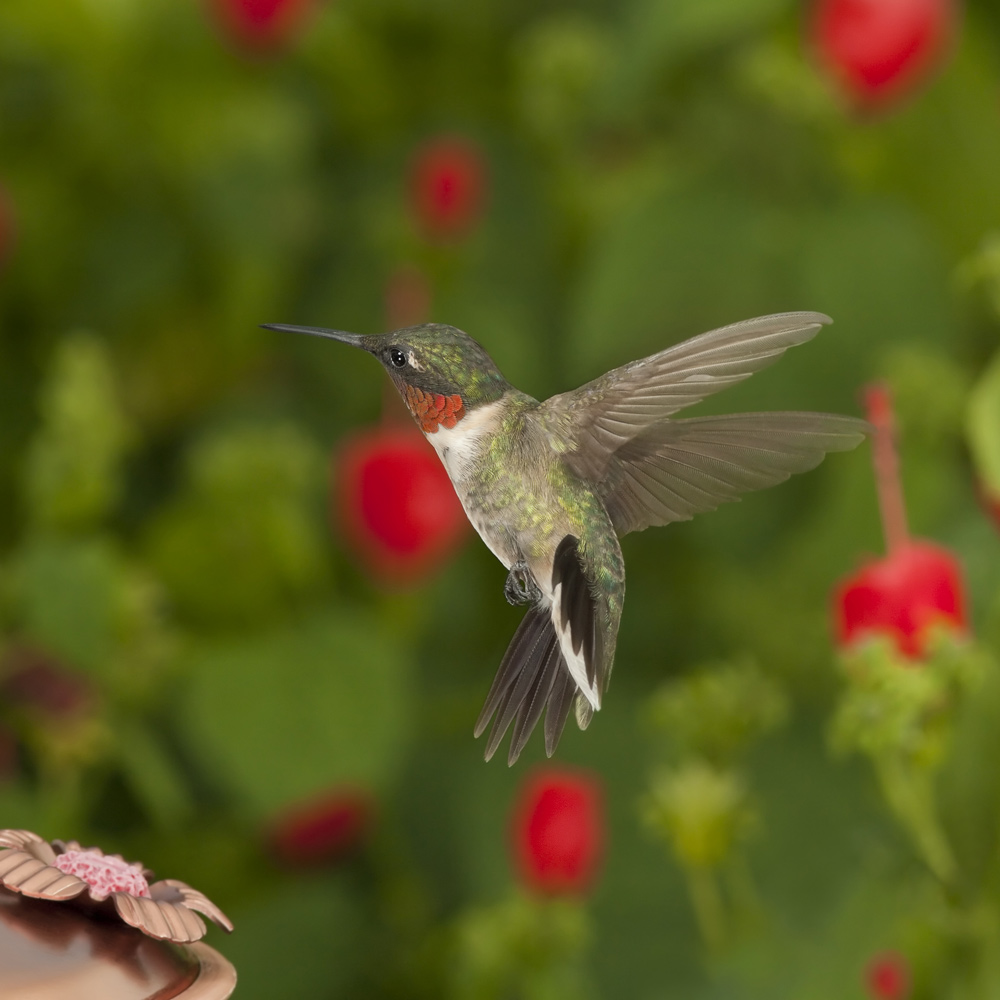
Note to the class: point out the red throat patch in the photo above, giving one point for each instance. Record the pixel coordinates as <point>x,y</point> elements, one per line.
<point>434,411</point>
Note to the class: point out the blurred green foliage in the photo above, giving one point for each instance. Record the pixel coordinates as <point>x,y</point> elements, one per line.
<point>655,169</point>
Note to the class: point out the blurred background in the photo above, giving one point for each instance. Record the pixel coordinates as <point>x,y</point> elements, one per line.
<point>244,629</point>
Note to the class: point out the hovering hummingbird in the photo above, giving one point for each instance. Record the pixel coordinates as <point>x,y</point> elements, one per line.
<point>551,486</point>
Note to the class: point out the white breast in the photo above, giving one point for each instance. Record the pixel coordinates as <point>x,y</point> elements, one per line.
<point>458,445</point>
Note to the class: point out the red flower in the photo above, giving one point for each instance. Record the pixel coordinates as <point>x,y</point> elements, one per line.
<point>397,503</point>
<point>33,679</point>
<point>918,584</point>
<point>261,24</point>
<point>448,187</point>
<point>887,976</point>
<point>322,830</point>
<point>558,831</point>
<point>880,50</point>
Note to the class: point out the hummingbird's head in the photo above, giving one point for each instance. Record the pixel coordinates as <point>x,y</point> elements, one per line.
<point>439,370</point>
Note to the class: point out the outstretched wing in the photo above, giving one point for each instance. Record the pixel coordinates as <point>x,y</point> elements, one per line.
<point>679,468</point>
<point>534,675</point>
<point>594,421</point>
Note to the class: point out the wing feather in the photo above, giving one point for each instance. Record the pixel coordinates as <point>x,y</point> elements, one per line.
<point>599,417</point>
<point>680,468</point>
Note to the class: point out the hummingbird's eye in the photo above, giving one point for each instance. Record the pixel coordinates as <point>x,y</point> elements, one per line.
<point>397,358</point>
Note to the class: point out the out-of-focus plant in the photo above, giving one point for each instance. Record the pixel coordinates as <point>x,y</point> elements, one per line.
<point>395,505</point>
<point>984,436</point>
<point>448,188</point>
<point>699,803</point>
<point>918,585</point>
<point>73,469</point>
<point>261,26</point>
<point>323,829</point>
<point>246,512</point>
<point>89,649</point>
<point>533,943</point>
<point>186,656</point>
<point>902,629</point>
<point>879,51</point>
<point>887,977</point>
<point>557,832</point>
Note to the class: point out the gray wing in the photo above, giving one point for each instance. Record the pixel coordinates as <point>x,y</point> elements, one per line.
<point>594,421</point>
<point>680,468</point>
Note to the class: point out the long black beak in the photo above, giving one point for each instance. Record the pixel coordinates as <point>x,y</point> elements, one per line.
<point>354,339</point>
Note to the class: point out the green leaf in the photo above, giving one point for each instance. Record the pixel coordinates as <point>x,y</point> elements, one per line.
<point>663,33</point>
<point>283,716</point>
<point>72,471</point>
<point>65,592</point>
<point>983,422</point>
<point>718,711</point>
<point>243,538</point>
<point>672,265</point>
<point>152,775</point>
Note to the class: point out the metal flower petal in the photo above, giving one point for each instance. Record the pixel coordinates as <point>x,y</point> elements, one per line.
<point>65,871</point>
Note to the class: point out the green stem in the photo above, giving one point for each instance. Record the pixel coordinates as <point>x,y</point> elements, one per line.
<point>911,797</point>
<point>708,908</point>
<point>878,403</point>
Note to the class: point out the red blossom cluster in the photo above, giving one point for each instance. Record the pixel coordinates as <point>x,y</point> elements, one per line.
<point>323,829</point>
<point>447,187</point>
<point>887,976</point>
<point>880,51</point>
<point>396,505</point>
<point>261,25</point>
<point>918,584</point>
<point>557,831</point>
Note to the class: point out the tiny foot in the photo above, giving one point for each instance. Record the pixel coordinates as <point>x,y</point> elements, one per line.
<point>520,587</point>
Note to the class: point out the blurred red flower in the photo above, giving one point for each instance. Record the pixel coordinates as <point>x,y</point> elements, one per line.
<point>887,976</point>
<point>261,24</point>
<point>878,51</point>
<point>396,503</point>
<point>916,586</point>
<point>322,830</point>
<point>557,831</point>
<point>36,680</point>
<point>448,187</point>
<point>918,583</point>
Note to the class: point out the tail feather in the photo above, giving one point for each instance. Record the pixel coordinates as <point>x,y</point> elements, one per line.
<point>532,625</point>
<point>557,710</point>
<point>528,666</point>
<point>534,703</point>
<point>532,678</point>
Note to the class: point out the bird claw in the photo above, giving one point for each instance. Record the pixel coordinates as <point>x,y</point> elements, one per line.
<point>520,587</point>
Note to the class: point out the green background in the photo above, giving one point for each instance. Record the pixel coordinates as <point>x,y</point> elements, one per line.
<point>655,169</point>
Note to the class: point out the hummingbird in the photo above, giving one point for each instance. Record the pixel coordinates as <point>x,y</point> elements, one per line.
<point>551,486</point>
